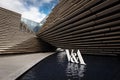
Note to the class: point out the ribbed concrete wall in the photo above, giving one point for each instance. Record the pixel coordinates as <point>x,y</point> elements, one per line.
<point>93,26</point>
<point>15,37</point>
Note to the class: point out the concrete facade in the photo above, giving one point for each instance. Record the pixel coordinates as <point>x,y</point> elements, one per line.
<point>15,37</point>
<point>93,26</point>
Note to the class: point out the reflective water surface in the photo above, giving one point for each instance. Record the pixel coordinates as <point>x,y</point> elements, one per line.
<point>56,67</point>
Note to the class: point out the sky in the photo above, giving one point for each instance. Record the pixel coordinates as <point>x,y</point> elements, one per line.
<point>35,10</point>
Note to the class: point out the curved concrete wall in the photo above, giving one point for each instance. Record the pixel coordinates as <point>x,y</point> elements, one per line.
<point>93,26</point>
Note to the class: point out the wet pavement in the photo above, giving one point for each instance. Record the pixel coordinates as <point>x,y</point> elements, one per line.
<point>56,67</point>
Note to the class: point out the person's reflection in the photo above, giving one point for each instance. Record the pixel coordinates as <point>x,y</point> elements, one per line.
<point>75,71</point>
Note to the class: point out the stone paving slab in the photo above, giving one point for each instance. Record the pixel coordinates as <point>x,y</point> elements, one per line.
<point>12,66</point>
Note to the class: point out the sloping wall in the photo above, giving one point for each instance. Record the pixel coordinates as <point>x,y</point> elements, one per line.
<point>15,37</point>
<point>93,26</point>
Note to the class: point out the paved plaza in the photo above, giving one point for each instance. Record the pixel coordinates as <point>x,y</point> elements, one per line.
<point>12,66</point>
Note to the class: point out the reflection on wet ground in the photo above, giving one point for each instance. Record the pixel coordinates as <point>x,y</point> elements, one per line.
<point>75,71</point>
<point>56,67</point>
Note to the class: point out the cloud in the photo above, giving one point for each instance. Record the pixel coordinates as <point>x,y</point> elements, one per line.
<point>46,1</point>
<point>33,14</point>
<point>15,5</point>
<point>35,3</point>
<point>28,8</point>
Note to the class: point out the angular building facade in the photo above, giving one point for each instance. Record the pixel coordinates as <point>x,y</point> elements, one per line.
<point>16,37</point>
<point>93,26</point>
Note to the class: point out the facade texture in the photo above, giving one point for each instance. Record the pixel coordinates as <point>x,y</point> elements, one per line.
<point>15,37</point>
<point>93,26</point>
